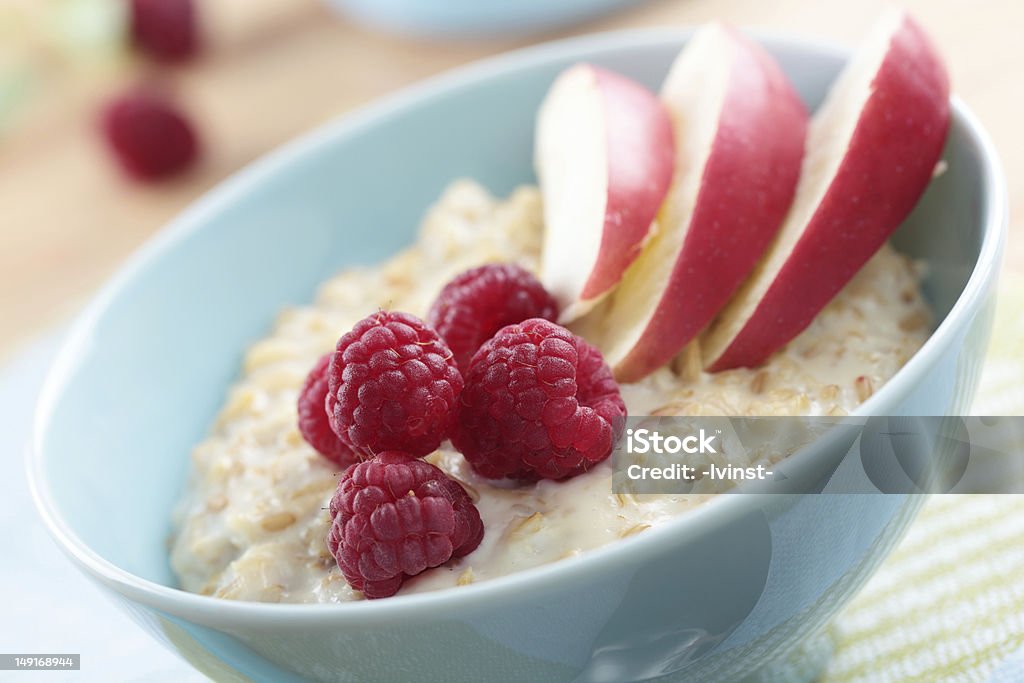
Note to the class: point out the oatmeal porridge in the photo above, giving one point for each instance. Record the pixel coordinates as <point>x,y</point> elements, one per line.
<point>252,522</point>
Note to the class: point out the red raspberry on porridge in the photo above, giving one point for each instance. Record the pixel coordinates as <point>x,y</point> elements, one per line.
<point>479,302</point>
<point>395,386</point>
<point>539,402</point>
<point>314,423</point>
<point>395,516</point>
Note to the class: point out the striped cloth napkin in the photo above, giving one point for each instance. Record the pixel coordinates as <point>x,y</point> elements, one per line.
<point>948,605</point>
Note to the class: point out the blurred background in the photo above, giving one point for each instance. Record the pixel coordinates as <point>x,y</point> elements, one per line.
<point>83,81</point>
<point>259,72</point>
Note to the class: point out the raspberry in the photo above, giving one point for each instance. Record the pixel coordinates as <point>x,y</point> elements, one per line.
<point>395,385</point>
<point>539,402</point>
<point>395,516</point>
<point>164,29</point>
<point>148,135</point>
<point>481,301</point>
<point>314,424</point>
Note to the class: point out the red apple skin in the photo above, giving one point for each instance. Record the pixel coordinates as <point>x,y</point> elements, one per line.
<point>887,166</point>
<point>641,159</point>
<point>746,189</point>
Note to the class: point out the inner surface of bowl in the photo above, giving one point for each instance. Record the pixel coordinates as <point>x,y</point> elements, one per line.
<point>149,365</point>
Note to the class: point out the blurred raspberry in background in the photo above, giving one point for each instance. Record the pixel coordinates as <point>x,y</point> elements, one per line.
<point>164,29</point>
<point>148,135</point>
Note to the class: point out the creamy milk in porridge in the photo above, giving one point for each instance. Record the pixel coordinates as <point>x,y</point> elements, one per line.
<point>252,523</point>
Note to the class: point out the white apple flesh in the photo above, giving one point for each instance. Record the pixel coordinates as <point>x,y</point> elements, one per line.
<point>739,129</point>
<point>871,151</point>
<point>604,155</point>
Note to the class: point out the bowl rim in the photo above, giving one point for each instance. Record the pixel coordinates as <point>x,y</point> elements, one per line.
<point>553,576</point>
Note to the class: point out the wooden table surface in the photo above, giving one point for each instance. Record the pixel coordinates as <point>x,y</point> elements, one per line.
<point>274,68</point>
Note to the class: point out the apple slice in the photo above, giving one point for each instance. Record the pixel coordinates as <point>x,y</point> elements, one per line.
<point>604,153</point>
<point>739,129</point>
<point>872,148</point>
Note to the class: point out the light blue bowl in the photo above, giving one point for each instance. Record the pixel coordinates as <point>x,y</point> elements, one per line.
<point>471,18</point>
<point>713,595</point>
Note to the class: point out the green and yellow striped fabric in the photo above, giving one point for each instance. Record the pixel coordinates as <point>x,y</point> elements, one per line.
<point>948,605</point>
